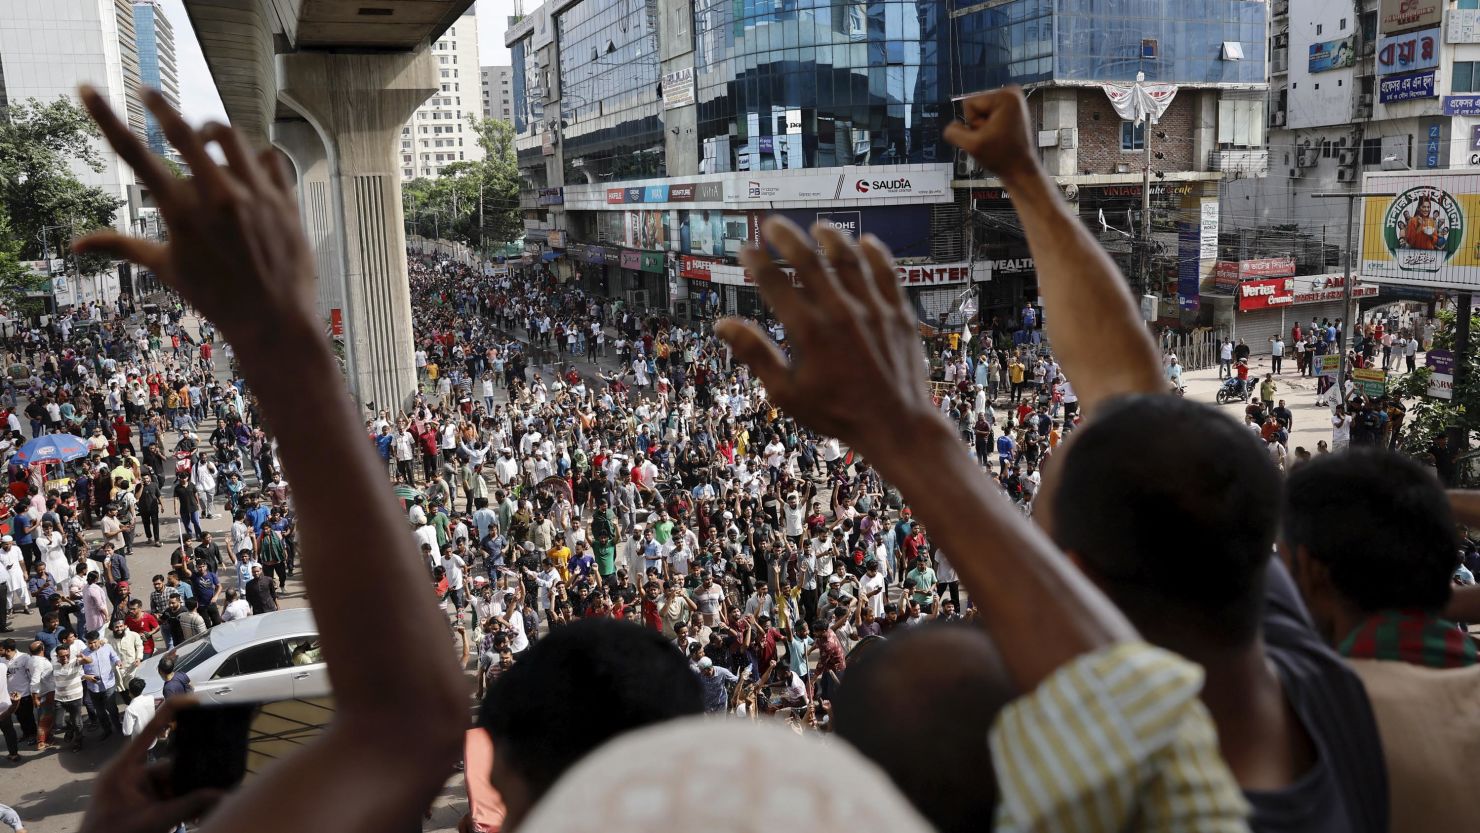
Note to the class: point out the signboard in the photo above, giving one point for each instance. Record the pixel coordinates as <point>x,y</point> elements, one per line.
<point>651,262</point>
<point>655,193</point>
<point>683,192</point>
<point>1441,380</point>
<point>556,238</point>
<point>631,260</point>
<point>1408,52</point>
<point>871,187</point>
<point>1318,289</point>
<point>848,222</point>
<point>336,322</point>
<point>1265,294</point>
<point>1333,54</point>
<point>1463,26</point>
<point>1431,152</point>
<point>1462,105</point>
<point>1188,262</point>
<point>1330,364</point>
<point>676,192</point>
<point>551,196</point>
<point>1371,381</point>
<point>1208,231</point>
<point>1228,273</point>
<point>616,196</point>
<point>1425,235</point>
<point>678,88</point>
<point>926,274</point>
<point>1400,15</point>
<point>1406,87</point>
<point>696,268</point>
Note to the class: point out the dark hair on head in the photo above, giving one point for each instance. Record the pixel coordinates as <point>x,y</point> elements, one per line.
<point>167,665</point>
<point>1379,522</point>
<point>136,687</point>
<point>634,673</point>
<point>1179,537</point>
<point>929,693</point>
<point>89,636</point>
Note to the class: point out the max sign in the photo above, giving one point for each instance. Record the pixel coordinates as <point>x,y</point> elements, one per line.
<point>1256,295</point>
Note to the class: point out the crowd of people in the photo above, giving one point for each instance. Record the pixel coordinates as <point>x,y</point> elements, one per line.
<point>793,530</point>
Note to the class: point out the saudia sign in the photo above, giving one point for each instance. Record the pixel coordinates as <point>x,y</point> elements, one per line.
<point>895,186</point>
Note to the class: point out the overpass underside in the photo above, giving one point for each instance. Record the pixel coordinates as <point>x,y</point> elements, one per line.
<point>331,83</point>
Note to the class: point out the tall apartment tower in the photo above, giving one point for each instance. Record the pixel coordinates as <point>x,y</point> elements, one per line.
<point>155,37</point>
<point>498,98</point>
<point>443,129</point>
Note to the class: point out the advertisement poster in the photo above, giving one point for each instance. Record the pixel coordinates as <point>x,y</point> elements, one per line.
<point>1333,54</point>
<point>1189,246</point>
<point>678,88</point>
<point>1371,381</point>
<point>1406,87</point>
<point>1424,234</point>
<point>1408,51</point>
<point>1441,381</point>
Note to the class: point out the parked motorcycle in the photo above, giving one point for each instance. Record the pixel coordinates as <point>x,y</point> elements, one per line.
<point>1234,390</point>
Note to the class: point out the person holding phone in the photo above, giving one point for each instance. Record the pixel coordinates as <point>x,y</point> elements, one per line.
<point>236,252</point>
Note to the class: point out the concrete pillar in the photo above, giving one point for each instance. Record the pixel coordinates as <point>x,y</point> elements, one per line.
<point>358,103</point>
<point>303,147</point>
<point>1061,113</point>
<point>1204,126</point>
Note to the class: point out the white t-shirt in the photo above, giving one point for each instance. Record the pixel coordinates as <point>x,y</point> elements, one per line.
<point>453,564</point>
<point>869,584</point>
<point>138,714</point>
<point>1341,430</point>
<point>238,609</point>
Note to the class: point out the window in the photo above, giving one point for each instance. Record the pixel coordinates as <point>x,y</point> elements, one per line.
<point>1240,123</point>
<point>1466,77</point>
<point>1372,151</point>
<point>1343,24</point>
<point>269,656</point>
<point>1318,28</point>
<point>1132,136</point>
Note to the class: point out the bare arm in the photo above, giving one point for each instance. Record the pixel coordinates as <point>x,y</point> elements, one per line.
<point>237,254</point>
<point>860,356</point>
<point>1096,326</point>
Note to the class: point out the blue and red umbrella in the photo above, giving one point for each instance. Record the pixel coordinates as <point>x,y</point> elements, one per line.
<point>51,448</point>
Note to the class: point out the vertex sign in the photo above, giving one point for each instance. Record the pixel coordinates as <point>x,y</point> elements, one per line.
<point>1256,295</point>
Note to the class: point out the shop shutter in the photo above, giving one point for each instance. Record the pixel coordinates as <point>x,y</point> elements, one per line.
<point>1258,327</point>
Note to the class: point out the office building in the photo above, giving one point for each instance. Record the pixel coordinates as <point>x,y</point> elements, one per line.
<point>157,69</point>
<point>498,94</point>
<point>653,137</point>
<point>444,128</point>
<point>50,47</point>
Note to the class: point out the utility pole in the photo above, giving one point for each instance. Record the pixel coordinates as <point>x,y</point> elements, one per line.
<point>1348,318</point>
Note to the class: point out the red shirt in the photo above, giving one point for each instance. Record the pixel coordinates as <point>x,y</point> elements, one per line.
<point>143,625</point>
<point>650,616</point>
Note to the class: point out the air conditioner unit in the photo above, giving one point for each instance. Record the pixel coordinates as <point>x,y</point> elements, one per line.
<point>1345,175</point>
<point>966,166</point>
<point>1364,100</point>
<point>1296,173</point>
<point>1278,119</point>
<point>1307,158</point>
<point>1349,156</point>
<point>1364,111</point>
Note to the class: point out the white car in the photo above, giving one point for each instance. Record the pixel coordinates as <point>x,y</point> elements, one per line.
<point>269,656</point>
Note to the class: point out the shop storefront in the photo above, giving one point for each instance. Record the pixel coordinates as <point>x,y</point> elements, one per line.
<point>644,279</point>
<point>1001,245</point>
<point>705,297</point>
<point>936,290</point>
<point>1271,307</point>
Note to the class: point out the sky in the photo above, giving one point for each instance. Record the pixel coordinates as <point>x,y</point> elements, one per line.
<point>199,102</point>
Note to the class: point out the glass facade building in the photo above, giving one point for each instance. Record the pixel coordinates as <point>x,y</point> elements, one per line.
<point>144,35</point>
<point>812,83</point>
<point>610,110</point>
<point>1181,41</point>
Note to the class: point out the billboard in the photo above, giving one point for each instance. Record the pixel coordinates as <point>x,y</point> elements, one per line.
<point>1426,234</point>
<point>1408,52</point>
<point>1400,15</point>
<point>1333,54</point>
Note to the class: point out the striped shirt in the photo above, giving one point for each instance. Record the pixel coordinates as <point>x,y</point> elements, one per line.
<point>1116,740</point>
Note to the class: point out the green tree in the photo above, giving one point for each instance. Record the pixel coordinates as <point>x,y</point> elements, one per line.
<point>1428,417</point>
<point>471,202</point>
<point>47,206</point>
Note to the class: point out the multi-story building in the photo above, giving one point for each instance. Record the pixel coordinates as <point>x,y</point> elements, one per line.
<point>50,47</point>
<point>498,93</point>
<point>444,128</point>
<point>653,137</point>
<point>155,37</point>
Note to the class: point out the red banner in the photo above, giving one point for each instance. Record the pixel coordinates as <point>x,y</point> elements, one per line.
<point>1227,273</point>
<point>696,268</point>
<point>336,322</point>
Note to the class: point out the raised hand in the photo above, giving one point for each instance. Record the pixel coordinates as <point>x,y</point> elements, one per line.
<point>236,251</point>
<point>996,131</point>
<point>856,372</point>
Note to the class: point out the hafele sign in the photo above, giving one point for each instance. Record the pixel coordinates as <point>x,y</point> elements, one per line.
<point>1256,295</point>
<point>925,274</point>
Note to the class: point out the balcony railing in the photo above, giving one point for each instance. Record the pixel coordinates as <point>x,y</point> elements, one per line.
<point>1245,161</point>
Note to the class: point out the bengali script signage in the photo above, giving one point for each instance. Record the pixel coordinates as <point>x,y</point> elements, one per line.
<point>1227,273</point>
<point>1408,52</point>
<point>1406,87</point>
